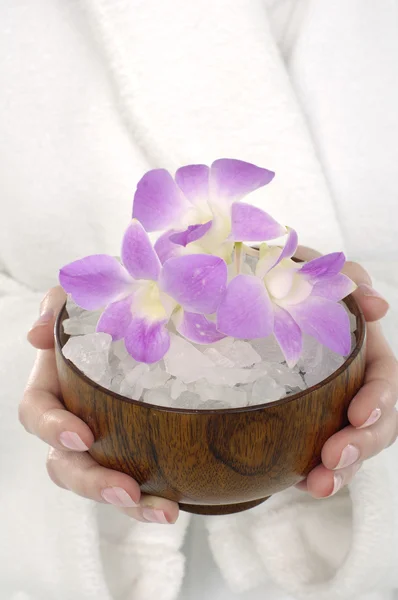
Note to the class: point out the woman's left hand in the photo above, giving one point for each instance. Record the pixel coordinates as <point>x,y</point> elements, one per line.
<point>372,414</point>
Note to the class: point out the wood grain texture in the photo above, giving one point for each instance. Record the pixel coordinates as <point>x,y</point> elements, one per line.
<point>213,462</point>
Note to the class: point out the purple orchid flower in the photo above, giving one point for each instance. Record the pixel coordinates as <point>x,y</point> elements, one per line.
<point>287,299</point>
<point>202,207</point>
<point>140,295</point>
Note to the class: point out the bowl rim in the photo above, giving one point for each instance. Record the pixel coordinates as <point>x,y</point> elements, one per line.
<point>360,335</point>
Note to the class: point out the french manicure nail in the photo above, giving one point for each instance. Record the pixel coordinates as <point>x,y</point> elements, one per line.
<point>44,319</point>
<point>118,497</point>
<point>373,417</point>
<point>367,290</point>
<point>154,515</point>
<point>349,455</point>
<point>338,482</point>
<point>72,441</point>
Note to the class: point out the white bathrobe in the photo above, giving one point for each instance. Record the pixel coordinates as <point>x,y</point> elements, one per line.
<point>92,94</point>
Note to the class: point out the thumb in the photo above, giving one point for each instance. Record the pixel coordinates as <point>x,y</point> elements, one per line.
<point>41,335</point>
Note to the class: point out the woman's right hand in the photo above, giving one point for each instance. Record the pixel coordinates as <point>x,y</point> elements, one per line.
<point>69,464</point>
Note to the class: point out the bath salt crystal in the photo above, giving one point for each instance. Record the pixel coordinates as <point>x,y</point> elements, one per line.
<point>159,397</point>
<point>227,374</point>
<point>268,349</point>
<point>184,361</point>
<point>177,387</point>
<point>154,378</point>
<point>242,354</point>
<point>267,389</point>
<point>219,359</point>
<point>90,353</point>
<point>187,400</point>
<point>329,364</point>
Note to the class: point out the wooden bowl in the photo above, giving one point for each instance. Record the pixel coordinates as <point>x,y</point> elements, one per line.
<point>213,461</point>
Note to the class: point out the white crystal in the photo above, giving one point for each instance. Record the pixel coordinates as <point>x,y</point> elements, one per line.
<point>159,397</point>
<point>242,354</point>
<point>312,353</point>
<point>119,349</point>
<point>225,376</point>
<point>187,400</point>
<point>213,405</point>
<point>219,359</point>
<point>329,364</point>
<point>137,373</point>
<point>154,378</point>
<point>184,361</point>
<point>268,349</point>
<point>235,397</point>
<point>177,387</point>
<point>90,353</point>
<point>266,389</point>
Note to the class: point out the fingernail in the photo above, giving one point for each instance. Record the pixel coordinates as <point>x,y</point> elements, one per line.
<point>44,319</point>
<point>367,290</point>
<point>374,416</point>
<point>118,497</point>
<point>72,441</point>
<point>154,515</point>
<point>338,482</point>
<point>349,455</point>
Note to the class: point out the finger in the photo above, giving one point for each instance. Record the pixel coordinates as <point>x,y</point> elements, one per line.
<point>80,474</point>
<point>41,335</point>
<point>42,413</point>
<point>351,445</point>
<point>380,390</point>
<point>373,305</point>
<point>323,483</point>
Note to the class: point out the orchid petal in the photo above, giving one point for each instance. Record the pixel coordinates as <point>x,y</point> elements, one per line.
<point>288,335</point>
<point>246,311</point>
<point>95,281</point>
<point>336,288</point>
<point>116,318</point>
<point>197,328</point>
<point>231,180</point>
<point>196,281</point>
<point>147,341</point>
<point>158,201</point>
<point>275,255</point>
<point>324,266</point>
<point>279,281</point>
<point>193,180</point>
<point>250,223</point>
<point>165,248</point>
<point>193,233</point>
<point>138,255</point>
<point>326,321</point>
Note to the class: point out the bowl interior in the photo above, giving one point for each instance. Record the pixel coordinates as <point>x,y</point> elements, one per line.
<point>61,338</point>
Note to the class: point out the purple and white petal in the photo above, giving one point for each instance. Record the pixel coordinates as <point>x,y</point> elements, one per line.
<point>138,255</point>
<point>326,321</point>
<point>95,281</point>
<point>147,341</point>
<point>334,288</point>
<point>274,255</point>
<point>193,180</point>
<point>191,234</point>
<point>196,281</point>
<point>324,266</point>
<point>165,248</point>
<point>246,311</point>
<point>250,223</point>
<point>158,202</point>
<point>231,179</point>
<point>116,318</point>
<point>288,335</point>
<point>197,328</point>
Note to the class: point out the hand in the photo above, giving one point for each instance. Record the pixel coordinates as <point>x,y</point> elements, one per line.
<point>69,464</point>
<point>372,414</point>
